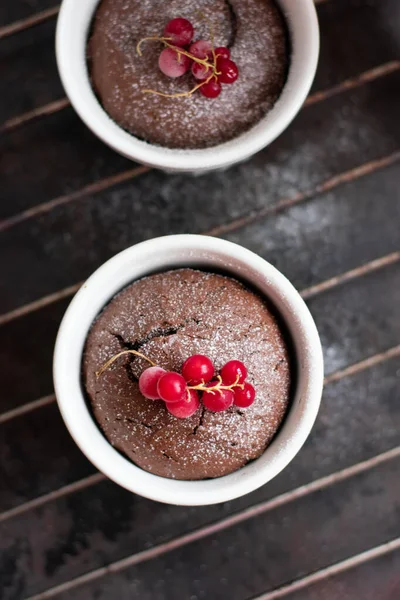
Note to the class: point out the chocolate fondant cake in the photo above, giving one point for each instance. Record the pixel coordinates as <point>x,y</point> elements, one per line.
<point>253,30</point>
<point>169,317</point>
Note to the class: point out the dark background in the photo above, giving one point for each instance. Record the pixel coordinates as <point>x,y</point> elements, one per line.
<point>322,204</point>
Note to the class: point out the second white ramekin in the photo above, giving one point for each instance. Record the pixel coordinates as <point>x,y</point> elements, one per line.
<point>163,254</point>
<point>72,31</point>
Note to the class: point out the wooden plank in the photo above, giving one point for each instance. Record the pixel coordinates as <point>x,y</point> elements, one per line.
<point>260,553</point>
<point>321,143</point>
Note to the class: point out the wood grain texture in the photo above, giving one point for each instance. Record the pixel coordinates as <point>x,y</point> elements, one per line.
<point>104,523</point>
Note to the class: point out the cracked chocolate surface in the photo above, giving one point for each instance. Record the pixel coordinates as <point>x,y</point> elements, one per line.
<point>169,317</point>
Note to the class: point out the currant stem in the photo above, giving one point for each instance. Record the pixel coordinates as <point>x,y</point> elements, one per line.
<point>153,38</point>
<point>114,358</point>
<point>204,62</point>
<point>178,50</point>
<point>181,94</point>
<point>202,387</point>
<point>200,61</point>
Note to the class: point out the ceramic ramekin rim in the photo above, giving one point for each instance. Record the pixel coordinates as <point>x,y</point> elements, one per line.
<point>166,252</point>
<point>72,30</point>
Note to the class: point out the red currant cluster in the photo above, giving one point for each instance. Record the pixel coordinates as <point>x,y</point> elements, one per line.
<point>210,66</point>
<point>180,392</point>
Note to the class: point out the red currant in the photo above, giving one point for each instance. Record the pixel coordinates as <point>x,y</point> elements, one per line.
<point>171,387</point>
<point>186,407</point>
<point>172,63</point>
<point>222,52</point>
<point>211,89</point>
<point>219,400</point>
<point>233,372</point>
<point>245,397</point>
<point>200,71</point>
<point>201,49</point>
<point>179,31</point>
<point>228,69</point>
<point>148,382</point>
<point>198,369</point>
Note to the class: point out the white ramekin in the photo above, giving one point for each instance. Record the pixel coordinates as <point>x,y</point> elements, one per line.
<point>72,31</point>
<point>214,254</point>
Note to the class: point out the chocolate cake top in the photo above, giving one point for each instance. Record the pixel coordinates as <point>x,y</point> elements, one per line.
<point>169,317</point>
<point>256,34</point>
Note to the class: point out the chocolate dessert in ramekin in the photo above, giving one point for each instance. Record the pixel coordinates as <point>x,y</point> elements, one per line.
<point>253,33</point>
<point>169,317</point>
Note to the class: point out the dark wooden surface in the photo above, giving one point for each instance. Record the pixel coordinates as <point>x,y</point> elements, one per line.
<point>322,203</point>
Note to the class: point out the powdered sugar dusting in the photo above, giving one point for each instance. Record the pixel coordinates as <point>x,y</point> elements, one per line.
<point>170,317</point>
<point>256,33</point>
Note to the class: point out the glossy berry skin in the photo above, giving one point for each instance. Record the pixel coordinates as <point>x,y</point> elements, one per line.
<point>201,49</point>
<point>172,63</point>
<point>148,382</point>
<point>212,89</point>
<point>222,52</point>
<point>171,387</point>
<point>244,397</point>
<point>198,369</point>
<point>233,371</point>
<point>217,401</point>
<point>200,72</point>
<point>186,407</point>
<point>179,31</point>
<point>228,69</point>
